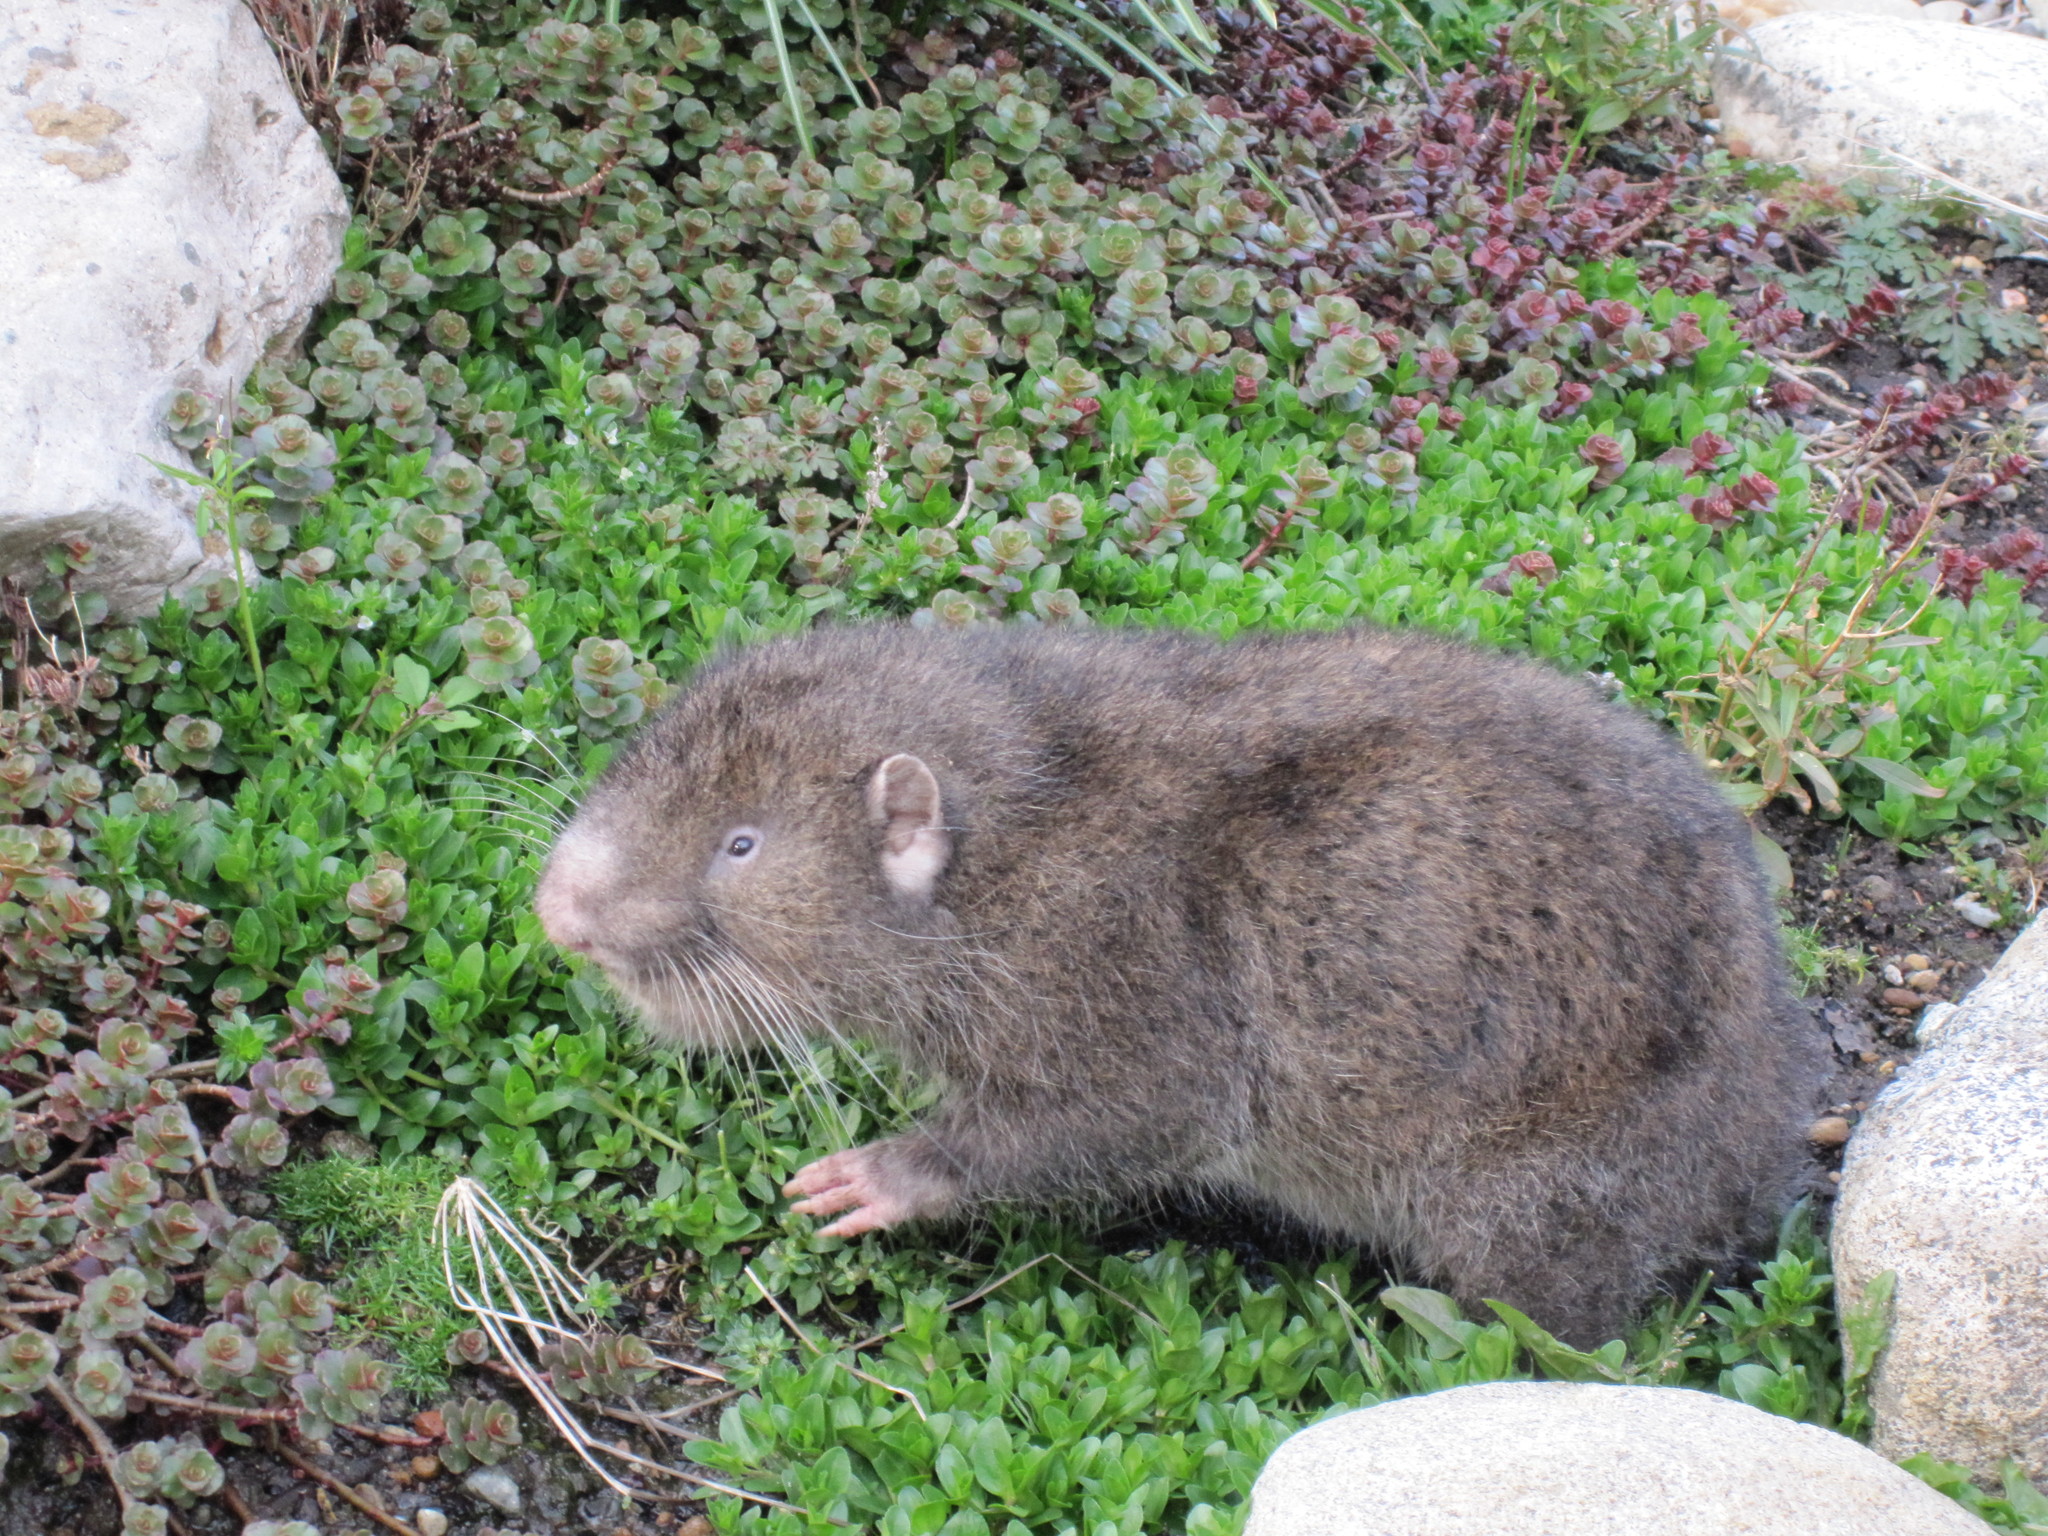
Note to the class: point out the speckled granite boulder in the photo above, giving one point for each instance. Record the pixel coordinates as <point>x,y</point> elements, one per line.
<point>1556,1459</point>
<point>1832,93</point>
<point>1946,1185</point>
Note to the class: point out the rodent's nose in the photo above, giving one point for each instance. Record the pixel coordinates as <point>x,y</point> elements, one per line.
<point>569,892</point>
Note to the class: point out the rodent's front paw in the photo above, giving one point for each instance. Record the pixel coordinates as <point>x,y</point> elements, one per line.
<point>872,1185</point>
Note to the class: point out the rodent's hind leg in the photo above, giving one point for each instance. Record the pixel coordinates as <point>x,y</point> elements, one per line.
<point>877,1185</point>
<point>1578,1267</point>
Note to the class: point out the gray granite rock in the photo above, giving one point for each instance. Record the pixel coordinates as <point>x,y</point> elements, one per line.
<point>165,216</point>
<point>1834,93</point>
<point>494,1488</point>
<point>1558,1459</point>
<point>1946,1186</point>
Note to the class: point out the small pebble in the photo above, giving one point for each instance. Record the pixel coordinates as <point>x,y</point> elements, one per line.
<point>1975,912</point>
<point>696,1525</point>
<point>431,1522</point>
<point>1887,1068</point>
<point>1903,998</point>
<point>1829,894</point>
<point>1917,963</point>
<point>1894,975</point>
<point>1828,1131</point>
<point>1835,1176</point>
<point>494,1488</point>
<point>1876,887</point>
<point>1924,981</point>
<point>424,1467</point>
<point>430,1424</point>
<point>373,1496</point>
<point>1868,1058</point>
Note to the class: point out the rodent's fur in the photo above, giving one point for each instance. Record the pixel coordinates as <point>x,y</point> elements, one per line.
<point>1430,948</point>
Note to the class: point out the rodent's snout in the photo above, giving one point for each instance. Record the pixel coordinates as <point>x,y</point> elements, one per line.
<point>571,891</point>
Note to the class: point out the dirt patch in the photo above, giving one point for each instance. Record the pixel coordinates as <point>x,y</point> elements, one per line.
<point>1861,893</point>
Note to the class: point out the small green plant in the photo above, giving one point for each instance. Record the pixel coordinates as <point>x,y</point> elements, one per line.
<point>1780,698</point>
<point>378,1217</point>
<point>2018,1506</point>
<point>1616,61</point>
<point>1944,302</point>
<point>230,506</point>
<point>1815,963</point>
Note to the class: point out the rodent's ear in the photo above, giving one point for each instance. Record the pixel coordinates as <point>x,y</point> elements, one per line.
<point>903,800</point>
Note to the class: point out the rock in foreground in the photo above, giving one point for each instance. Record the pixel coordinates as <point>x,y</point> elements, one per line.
<point>167,215</point>
<point>1836,93</point>
<point>1557,1459</point>
<point>1946,1185</point>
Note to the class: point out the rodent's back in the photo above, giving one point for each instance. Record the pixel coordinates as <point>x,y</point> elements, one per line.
<point>1364,818</point>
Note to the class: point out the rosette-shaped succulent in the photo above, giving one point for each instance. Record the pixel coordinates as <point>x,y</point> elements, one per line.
<point>1173,490</point>
<point>1002,464</point>
<point>479,1430</point>
<point>607,1366</point>
<point>1004,556</point>
<point>101,1383</point>
<point>456,245</point>
<point>499,649</point>
<point>1342,370</point>
<point>1226,296</point>
<point>612,690</point>
<point>343,1387</point>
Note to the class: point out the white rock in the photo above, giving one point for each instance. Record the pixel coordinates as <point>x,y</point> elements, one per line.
<point>494,1488</point>
<point>431,1522</point>
<point>165,214</point>
<point>1747,13</point>
<point>1838,94</point>
<point>1975,912</point>
<point>1946,1184</point>
<point>1558,1459</point>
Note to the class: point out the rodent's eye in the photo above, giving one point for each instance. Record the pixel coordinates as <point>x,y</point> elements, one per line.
<point>742,844</point>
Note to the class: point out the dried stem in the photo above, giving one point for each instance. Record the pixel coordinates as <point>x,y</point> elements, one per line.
<point>95,1436</point>
<point>216,1410</point>
<point>561,194</point>
<point>63,1261</point>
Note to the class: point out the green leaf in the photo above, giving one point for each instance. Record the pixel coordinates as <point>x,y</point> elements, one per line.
<point>411,682</point>
<point>256,939</point>
<point>2028,1503</point>
<point>1433,1315</point>
<point>1558,1360</point>
<point>1605,118</point>
<point>1776,862</point>
<point>1898,775</point>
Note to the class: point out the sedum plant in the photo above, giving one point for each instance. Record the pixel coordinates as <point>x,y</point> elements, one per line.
<point>632,200</point>
<point>132,1292</point>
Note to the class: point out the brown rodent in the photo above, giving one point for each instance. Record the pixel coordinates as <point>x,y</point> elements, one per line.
<point>1430,948</point>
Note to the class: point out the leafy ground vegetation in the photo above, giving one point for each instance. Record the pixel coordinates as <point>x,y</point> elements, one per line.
<point>658,333</point>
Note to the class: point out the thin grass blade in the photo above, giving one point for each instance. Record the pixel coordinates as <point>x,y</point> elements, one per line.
<point>1073,44</point>
<point>792,96</point>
